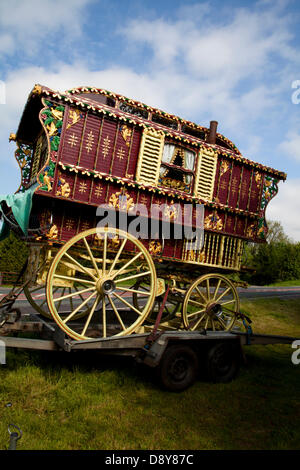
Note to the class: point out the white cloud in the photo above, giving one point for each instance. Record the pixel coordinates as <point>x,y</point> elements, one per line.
<point>285,208</point>
<point>291,146</point>
<point>24,25</point>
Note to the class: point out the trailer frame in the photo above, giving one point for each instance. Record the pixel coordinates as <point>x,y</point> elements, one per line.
<point>221,352</point>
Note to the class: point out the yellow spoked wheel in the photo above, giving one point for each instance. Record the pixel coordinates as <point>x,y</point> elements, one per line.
<point>211,302</point>
<point>100,268</point>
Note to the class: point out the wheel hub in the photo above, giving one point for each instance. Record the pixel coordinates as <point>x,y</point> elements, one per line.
<point>213,309</point>
<point>105,286</point>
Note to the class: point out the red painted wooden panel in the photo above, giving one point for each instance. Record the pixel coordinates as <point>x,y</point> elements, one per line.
<point>169,248</point>
<point>120,156</point>
<point>234,186</point>
<point>70,222</point>
<point>178,249</point>
<point>240,225</point>
<point>90,142</point>
<point>229,227</point>
<point>72,137</point>
<point>136,140</point>
<point>225,172</point>
<point>255,190</point>
<point>244,192</point>
<point>98,191</point>
<point>106,146</point>
<point>82,188</point>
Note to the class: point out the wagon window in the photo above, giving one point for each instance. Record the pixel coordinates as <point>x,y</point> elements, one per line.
<point>177,168</point>
<point>164,122</point>
<point>127,108</point>
<point>99,98</point>
<point>193,132</point>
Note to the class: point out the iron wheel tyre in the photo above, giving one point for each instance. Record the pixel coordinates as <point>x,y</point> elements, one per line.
<point>178,368</point>
<point>223,362</point>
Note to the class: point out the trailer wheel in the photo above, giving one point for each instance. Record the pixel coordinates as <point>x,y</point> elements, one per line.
<point>223,362</point>
<point>178,368</point>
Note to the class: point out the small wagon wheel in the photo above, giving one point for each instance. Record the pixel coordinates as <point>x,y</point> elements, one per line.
<point>106,263</point>
<point>211,302</point>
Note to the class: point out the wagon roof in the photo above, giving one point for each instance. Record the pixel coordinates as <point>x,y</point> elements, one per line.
<point>75,96</point>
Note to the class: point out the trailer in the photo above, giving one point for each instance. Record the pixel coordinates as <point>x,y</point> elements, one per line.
<point>175,355</point>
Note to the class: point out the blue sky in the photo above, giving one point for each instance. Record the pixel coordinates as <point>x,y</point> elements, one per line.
<point>231,61</point>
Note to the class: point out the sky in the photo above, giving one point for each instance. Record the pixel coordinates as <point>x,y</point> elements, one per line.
<point>233,61</point>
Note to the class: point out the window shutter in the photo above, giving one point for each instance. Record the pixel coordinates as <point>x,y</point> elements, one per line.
<point>206,172</point>
<point>150,156</point>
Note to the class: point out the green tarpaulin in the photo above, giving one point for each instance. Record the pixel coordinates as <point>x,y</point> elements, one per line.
<point>20,204</point>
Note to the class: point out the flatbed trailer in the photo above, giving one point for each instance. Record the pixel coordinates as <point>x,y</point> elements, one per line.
<point>175,355</point>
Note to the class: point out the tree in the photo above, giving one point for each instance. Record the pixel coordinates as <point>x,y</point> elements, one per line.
<point>276,260</point>
<point>13,254</point>
<point>276,233</point>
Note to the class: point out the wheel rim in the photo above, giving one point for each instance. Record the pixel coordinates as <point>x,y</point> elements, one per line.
<point>211,302</point>
<point>105,264</point>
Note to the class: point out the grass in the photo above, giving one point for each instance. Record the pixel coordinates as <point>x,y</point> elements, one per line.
<point>89,401</point>
<point>293,282</point>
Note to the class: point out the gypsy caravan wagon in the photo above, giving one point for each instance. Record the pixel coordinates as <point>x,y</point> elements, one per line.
<point>88,148</point>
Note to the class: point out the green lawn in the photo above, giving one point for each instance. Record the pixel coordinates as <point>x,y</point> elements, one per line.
<point>294,282</point>
<point>88,401</point>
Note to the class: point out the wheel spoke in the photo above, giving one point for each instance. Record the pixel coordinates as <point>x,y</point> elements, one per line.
<point>127,303</point>
<point>133,290</point>
<point>196,313</point>
<point>198,322</point>
<point>207,289</point>
<point>91,256</point>
<point>116,312</point>
<point>227,302</point>
<point>104,317</point>
<point>217,288</point>
<point>104,253</point>
<point>78,308</point>
<point>127,264</point>
<point>201,295</point>
<point>132,277</point>
<point>68,278</point>
<point>73,294</point>
<point>196,303</point>
<point>90,315</point>
<point>82,268</point>
<point>117,256</point>
<point>63,291</point>
<point>71,300</point>
<point>221,322</point>
<point>224,293</point>
<point>34,289</point>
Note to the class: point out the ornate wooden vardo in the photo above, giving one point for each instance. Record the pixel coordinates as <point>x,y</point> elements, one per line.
<point>87,147</point>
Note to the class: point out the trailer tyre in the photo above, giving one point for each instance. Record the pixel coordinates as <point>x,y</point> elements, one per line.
<point>223,362</point>
<point>178,368</point>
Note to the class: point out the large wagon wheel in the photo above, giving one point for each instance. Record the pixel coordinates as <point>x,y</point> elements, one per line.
<point>107,263</point>
<point>211,302</point>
